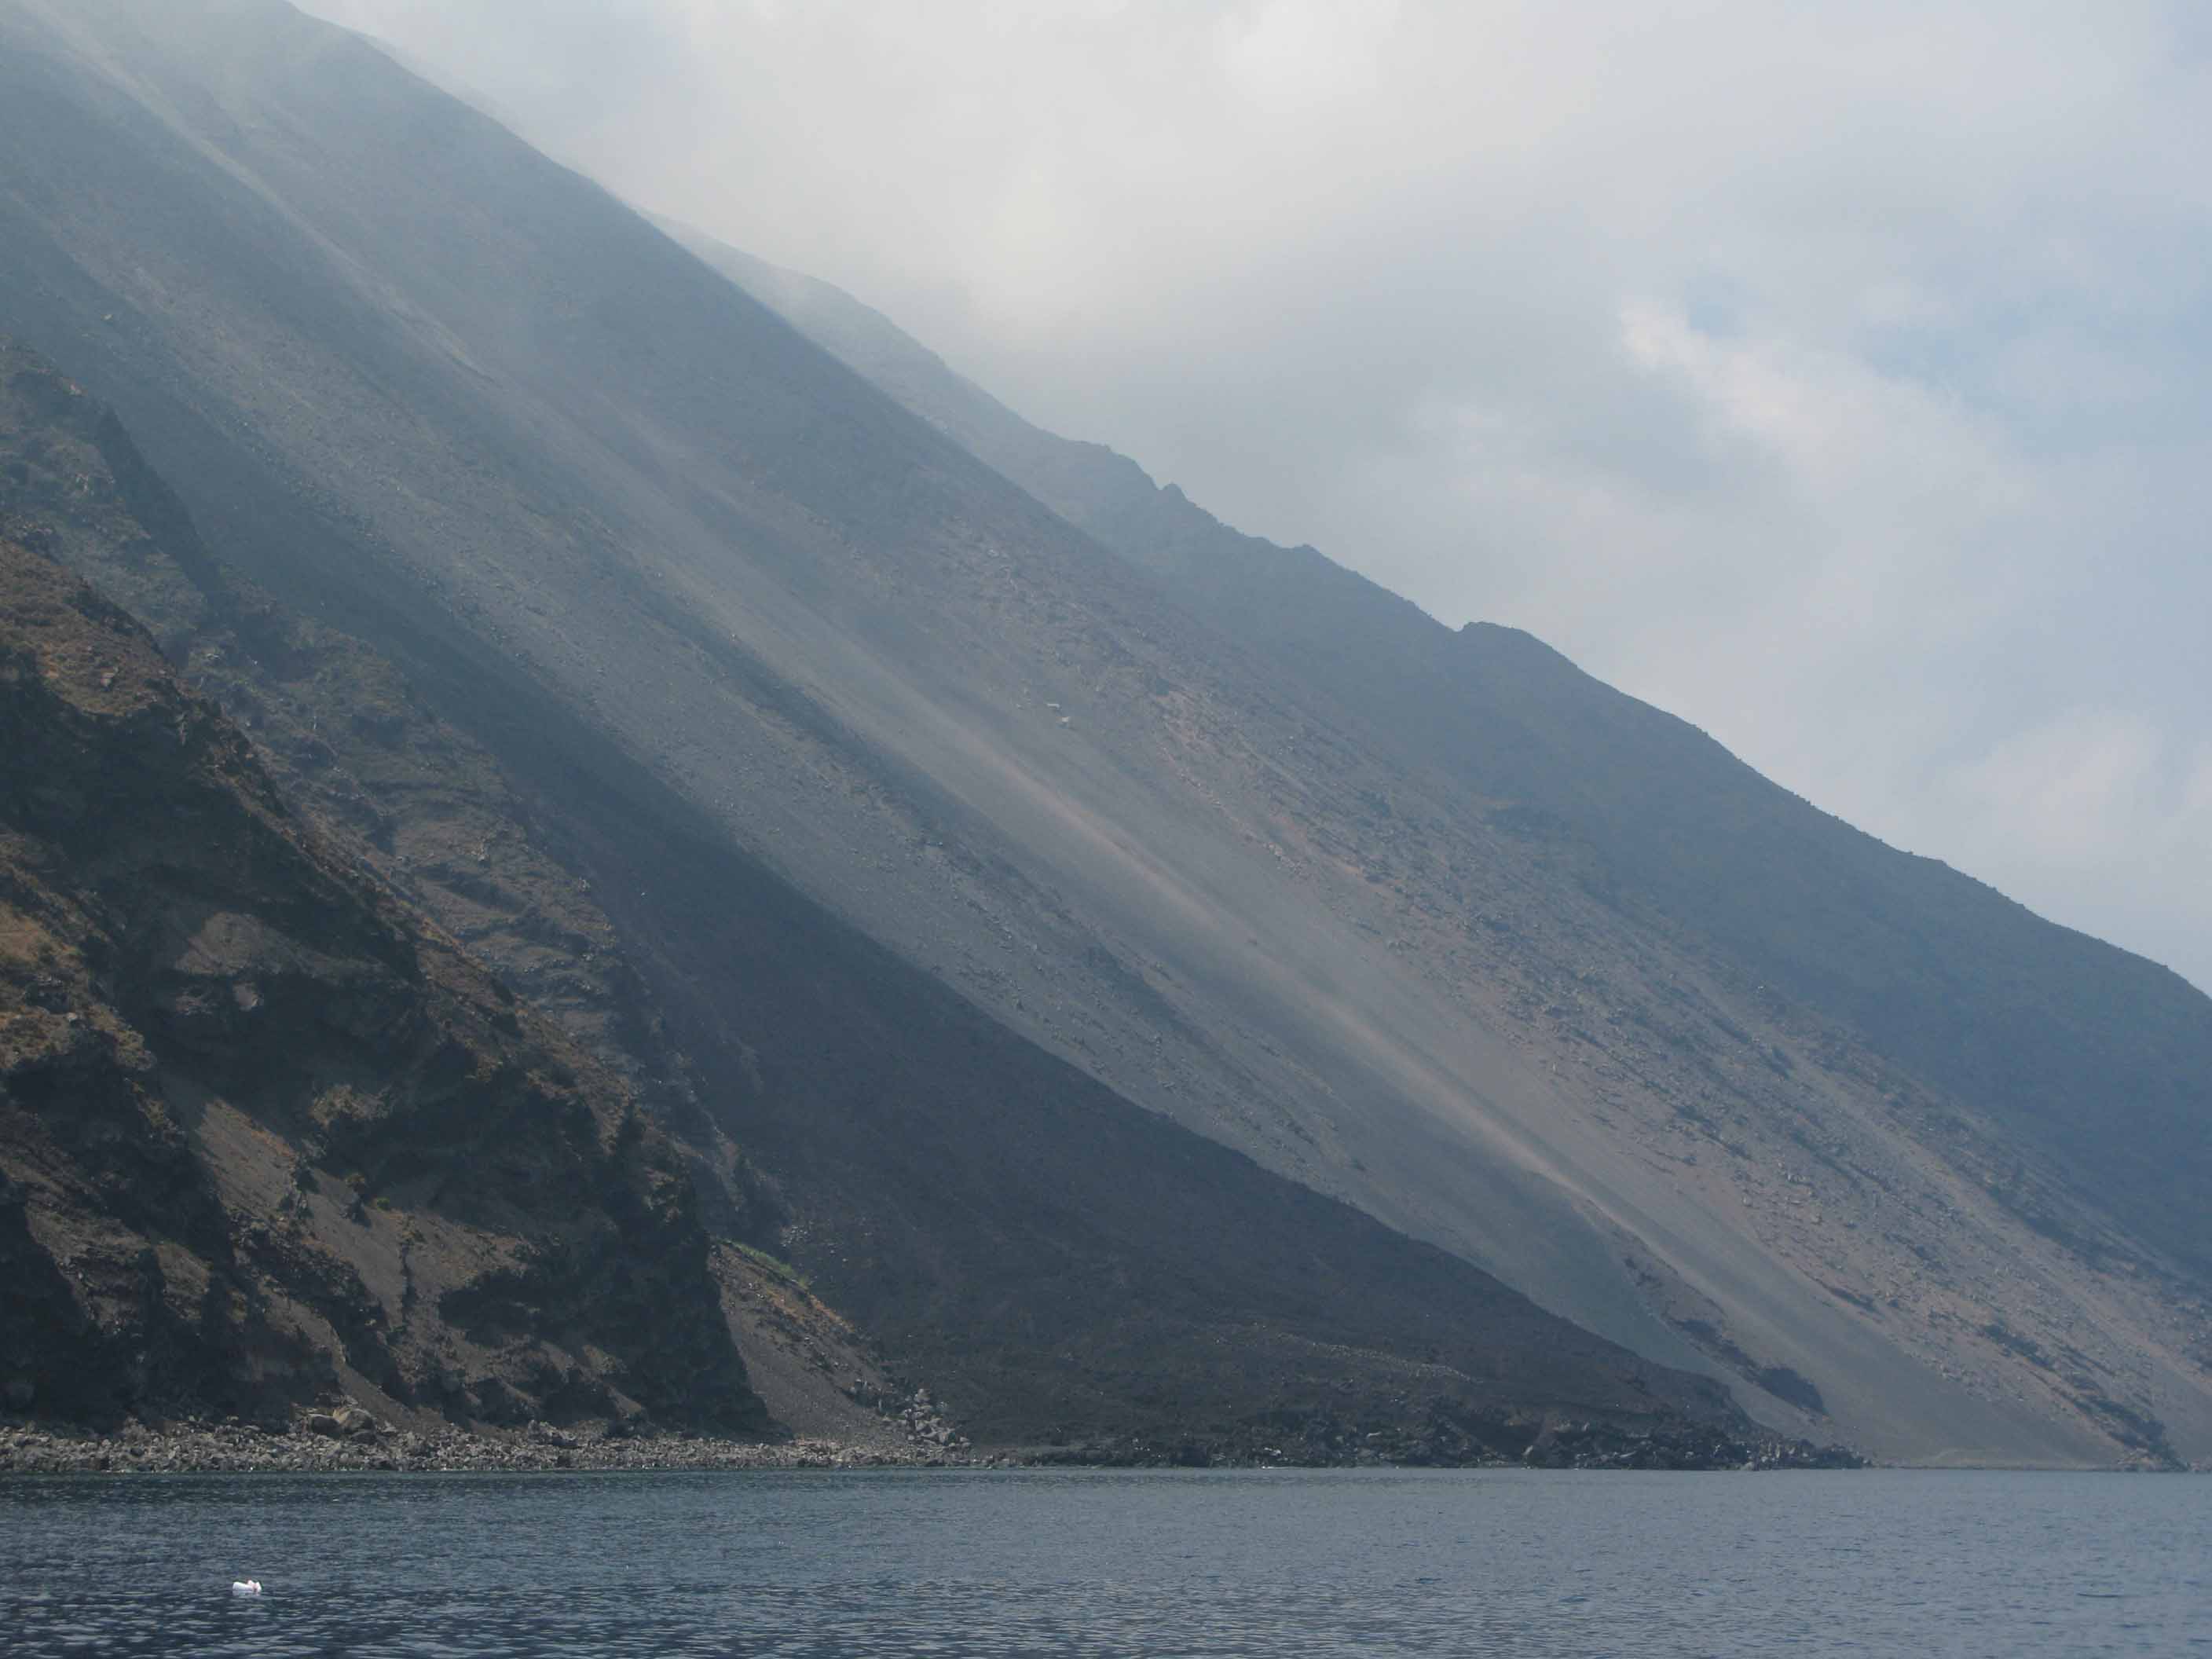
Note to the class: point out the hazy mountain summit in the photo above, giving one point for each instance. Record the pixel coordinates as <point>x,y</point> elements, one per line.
<point>944,814</point>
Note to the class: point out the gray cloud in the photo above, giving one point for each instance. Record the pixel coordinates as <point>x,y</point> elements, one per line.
<point>1834,375</point>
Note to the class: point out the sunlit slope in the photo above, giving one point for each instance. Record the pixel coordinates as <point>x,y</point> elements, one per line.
<point>412,374</point>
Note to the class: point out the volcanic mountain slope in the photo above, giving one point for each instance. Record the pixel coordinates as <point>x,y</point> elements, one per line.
<point>702,593</point>
<point>2098,1060</point>
<point>262,1139</point>
<point>1061,1266</point>
<point>2069,1080</point>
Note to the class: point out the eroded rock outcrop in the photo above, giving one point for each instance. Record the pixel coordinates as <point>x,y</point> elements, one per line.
<point>266,1137</point>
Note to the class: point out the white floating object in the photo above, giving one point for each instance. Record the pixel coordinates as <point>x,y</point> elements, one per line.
<point>245,1587</point>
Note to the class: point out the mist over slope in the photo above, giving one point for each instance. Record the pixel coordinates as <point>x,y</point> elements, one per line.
<point>758,639</point>
<point>2095,1057</point>
<point>1063,1268</point>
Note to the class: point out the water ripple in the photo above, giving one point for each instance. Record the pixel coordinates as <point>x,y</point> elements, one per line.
<point>1071,1563</point>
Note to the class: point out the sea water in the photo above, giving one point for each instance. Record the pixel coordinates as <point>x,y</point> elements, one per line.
<point>1155,1564</point>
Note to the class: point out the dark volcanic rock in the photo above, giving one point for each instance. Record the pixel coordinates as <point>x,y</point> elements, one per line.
<point>261,1131</point>
<point>233,1448</point>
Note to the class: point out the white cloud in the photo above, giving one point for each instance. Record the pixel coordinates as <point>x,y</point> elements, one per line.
<point>1289,55</point>
<point>1840,376</point>
<point>2103,803</point>
<point>2072,789</point>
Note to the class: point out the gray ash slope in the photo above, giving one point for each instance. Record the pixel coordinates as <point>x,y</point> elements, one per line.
<point>2097,1060</point>
<point>1067,1269</point>
<point>2067,1081</point>
<point>743,629</point>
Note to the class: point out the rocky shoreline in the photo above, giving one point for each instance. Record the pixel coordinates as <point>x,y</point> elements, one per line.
<point>238,1449</point>
<point>350,1440</point>
<point>1563,1446</point>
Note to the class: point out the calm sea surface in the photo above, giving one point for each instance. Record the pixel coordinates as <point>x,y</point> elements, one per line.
<point>1368,1562</point>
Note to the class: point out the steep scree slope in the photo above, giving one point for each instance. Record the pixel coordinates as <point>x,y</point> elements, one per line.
<point>2065,1079</point>
<point>693,583</point>
<point>1061,1268</point>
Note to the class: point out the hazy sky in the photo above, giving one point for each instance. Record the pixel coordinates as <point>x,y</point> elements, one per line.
<point>1838,376</point>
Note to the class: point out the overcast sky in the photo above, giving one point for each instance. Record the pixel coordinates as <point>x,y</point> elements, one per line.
<point>1838,376</point>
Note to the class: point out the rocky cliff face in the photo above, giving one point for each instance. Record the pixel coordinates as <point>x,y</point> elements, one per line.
<point>263,1138</point>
